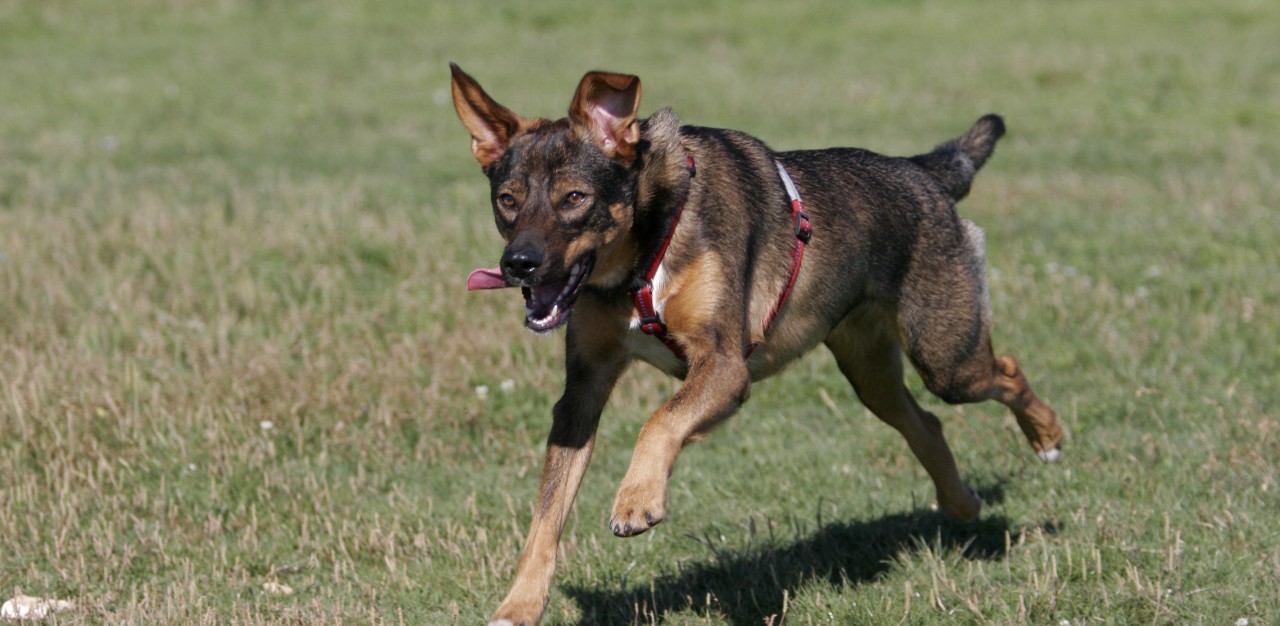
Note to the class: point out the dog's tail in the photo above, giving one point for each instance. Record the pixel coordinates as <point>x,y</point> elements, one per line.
<point>955,162</point>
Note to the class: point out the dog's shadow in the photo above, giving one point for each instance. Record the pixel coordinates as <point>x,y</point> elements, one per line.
<point>745,585</point>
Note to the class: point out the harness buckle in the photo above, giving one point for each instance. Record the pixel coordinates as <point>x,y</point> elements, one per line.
<point>650,322</point>
<point>652,325</point>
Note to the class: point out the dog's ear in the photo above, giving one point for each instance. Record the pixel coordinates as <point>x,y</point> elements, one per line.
<point>491,125</point>
<point>605,109</point>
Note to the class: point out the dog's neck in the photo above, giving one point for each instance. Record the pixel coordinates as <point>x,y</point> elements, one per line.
<point>655,241</point>
<point>665,178</point>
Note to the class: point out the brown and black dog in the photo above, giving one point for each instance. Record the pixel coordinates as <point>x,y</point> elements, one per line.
<point>601,205</point>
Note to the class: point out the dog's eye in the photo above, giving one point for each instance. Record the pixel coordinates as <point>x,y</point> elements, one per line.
<point>507,200</point>
<point>574,198</point>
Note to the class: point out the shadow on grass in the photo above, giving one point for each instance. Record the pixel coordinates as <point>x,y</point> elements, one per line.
<point>746,584</point>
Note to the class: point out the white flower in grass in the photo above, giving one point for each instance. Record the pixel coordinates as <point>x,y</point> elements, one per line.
<point>266,425</point>
<point>30,607</point>
<point>507,386</point>
<point>277,589</point>
<point>482,392</point>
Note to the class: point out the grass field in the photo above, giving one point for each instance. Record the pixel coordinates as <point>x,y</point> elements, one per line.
<point>235,348</point>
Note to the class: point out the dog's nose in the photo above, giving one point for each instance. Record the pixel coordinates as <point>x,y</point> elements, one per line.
<point>521,264</point>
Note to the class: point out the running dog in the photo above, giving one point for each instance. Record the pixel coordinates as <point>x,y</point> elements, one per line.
<point>719,261</point>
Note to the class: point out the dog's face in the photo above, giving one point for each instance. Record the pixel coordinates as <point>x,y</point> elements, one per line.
<point>562,191</point>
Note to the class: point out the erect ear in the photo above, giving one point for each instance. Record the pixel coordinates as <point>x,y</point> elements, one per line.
<point>605,108</point>
<point>491,125</point>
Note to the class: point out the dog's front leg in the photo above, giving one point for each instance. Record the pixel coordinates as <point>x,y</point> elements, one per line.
<point>591,374</point>
<point>714,388</point>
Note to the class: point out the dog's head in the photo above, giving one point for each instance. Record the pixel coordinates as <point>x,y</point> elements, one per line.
<point>563,192</point>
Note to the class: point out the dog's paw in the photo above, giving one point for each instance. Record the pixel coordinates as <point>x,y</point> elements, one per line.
<point>512,621</point>
<point>1050,455</point>
<point>637,509</point>
<point>964,507</point>
<point>514,612</point>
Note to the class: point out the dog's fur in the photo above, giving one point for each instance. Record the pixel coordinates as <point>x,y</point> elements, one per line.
<point>583,203</point>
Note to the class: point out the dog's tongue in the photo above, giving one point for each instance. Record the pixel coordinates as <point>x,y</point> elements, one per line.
<point>486,278</point>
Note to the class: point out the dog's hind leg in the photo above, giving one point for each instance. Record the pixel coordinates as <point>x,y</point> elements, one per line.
<point>947,330</point>
<point>983,376</point>
<point>869,356</point>
<point>593,366</point>
<point>1038,421</point>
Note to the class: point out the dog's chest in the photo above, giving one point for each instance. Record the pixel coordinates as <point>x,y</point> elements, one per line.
<point>646,347</point>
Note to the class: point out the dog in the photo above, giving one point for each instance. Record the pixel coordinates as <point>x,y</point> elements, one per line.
<point>719,261</point>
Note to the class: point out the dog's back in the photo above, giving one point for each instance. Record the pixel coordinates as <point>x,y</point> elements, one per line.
<point>875,217</point>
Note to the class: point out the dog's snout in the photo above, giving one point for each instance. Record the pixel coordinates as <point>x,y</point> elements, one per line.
<point>520,264</point>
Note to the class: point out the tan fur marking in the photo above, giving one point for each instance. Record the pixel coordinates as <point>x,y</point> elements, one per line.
<point>614,261</point>
<point>612,254</point>
<point>1038,421</point>
<point>621,214</point>
<point>763,297</point>
<point>581,246</point>
<point>692,299</point>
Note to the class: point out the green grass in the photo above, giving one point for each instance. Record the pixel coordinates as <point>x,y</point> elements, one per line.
<point>219,216</point>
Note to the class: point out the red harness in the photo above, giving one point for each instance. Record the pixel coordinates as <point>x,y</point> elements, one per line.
<point>651,323</point>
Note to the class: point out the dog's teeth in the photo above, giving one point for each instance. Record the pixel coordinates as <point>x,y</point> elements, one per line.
<point>555,310</point>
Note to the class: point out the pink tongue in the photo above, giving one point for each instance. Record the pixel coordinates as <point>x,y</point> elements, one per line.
<point>486,278</point>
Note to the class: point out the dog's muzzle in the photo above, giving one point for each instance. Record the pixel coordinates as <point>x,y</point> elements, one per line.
<point>546,305</point>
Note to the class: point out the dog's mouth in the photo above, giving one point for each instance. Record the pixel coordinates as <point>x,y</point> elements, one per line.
<point>546,306</point>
